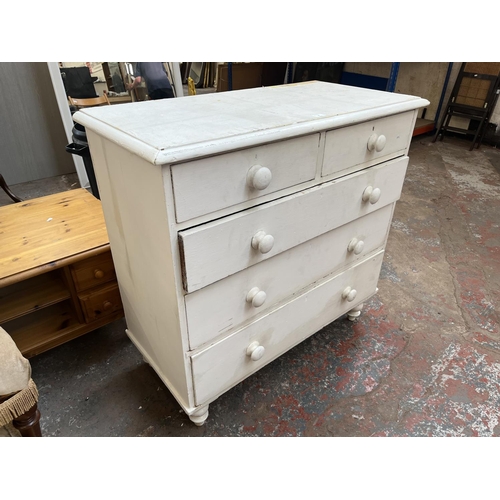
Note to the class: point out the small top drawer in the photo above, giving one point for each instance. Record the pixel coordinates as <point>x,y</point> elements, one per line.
<point>206,185</point>
<point>93,271</point>
<point>368,143</point>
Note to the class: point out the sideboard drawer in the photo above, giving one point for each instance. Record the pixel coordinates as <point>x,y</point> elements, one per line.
<point>367,143</point>
<point>215,250</point>
<point>206,185</point>
<point>93,271</point>
<point>101,302</point>
<point>223,306</point>
<point>227,362</point>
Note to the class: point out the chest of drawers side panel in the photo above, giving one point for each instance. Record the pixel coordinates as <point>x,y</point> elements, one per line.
<point>135,205</point>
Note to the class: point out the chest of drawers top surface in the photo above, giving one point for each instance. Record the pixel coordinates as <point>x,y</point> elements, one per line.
<point>177,130</point>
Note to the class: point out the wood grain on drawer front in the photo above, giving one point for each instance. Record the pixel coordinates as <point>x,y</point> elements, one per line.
<point>204,186</point>
<point>215,250</point>
<point>93,271</point>
<point>101,302</point>
<point>347,148</point>
<point>225,363</point>
<point>222,306</point>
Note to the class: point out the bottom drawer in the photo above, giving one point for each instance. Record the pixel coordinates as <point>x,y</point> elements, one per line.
<point>227,362</point>
<point>100,302</point>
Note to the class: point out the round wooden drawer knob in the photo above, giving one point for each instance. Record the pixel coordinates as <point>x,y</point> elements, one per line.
<point>259,177</point>
<point>107,305</point>
<point>98,274</point>
<point>356,246</point>
<point>376,142</point>
<point>256,297</point>
<point>262,242</point>
<point>349,294</point>
<point>255,351</point>
<point>371,194</point>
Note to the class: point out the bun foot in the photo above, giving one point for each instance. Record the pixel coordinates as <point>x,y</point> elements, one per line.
<point>354,313</point>
<point>199,416</point>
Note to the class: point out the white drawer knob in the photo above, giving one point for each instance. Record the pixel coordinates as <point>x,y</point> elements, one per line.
<point>255,351</point>
<point>259,177</point>
<point>262,242</point>
<point>349,294</point>
<point>376,142</point>
<point>256,297</point>
<point>371,194</point>
<point>356,246</point>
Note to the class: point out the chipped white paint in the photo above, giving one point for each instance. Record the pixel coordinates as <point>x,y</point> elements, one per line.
<point>431,242</point>
<point>474,181</point>
<point>487,319</point>
<point>401,226</point>
<point>459,366</point>
<point>471,173</point>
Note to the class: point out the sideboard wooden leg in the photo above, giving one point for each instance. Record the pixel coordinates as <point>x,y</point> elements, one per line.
<point>355,312</point>
<point>199,416</point>
<point>28,424</point>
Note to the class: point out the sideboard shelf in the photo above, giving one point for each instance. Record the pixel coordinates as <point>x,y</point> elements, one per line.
<point>31,295</point>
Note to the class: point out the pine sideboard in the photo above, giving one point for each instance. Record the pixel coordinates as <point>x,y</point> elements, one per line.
<point>57,278</point>
<point>243,222</point>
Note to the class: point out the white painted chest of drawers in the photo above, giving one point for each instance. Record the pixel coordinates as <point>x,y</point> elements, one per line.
<point>243,222</point>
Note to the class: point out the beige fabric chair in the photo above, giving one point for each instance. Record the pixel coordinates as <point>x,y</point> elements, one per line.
<point>18,392</point>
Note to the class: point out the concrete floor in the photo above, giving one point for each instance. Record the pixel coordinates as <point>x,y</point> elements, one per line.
<point>422,360</point>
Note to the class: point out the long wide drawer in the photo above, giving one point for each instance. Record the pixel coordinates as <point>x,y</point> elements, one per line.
<point>222,306</point>
<point>204,186</point>
<point>215,250</point>
<point>359,146</point>
<point>225,363</point>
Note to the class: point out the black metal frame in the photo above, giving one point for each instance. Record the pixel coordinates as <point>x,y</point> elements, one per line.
<point>6,188</point>
<point>481,115</point>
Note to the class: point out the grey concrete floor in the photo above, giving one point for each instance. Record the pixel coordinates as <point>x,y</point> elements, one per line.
<point>422,360</point>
